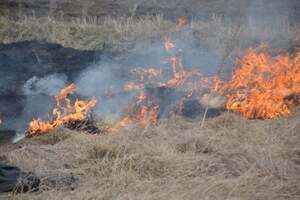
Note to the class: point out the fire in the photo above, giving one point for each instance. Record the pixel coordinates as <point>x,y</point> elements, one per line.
<point>263,86</point>
<point>145,110</point>
<point>168,44</point>
<point>179,74</point>
<point>64,112</point>
<point>182,21</point>
<point>139,113</point>
<point>144,117</point>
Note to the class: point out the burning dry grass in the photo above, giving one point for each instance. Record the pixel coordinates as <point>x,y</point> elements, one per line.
<point>65,112</point>
<point>229,158</point>
<point>266,86</point>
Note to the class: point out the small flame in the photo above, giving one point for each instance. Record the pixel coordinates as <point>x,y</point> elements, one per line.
<point>169,44</point>
<point>181,21</point>
<point>179,74</point>
<point>64,112</point>
<point>144,117</point>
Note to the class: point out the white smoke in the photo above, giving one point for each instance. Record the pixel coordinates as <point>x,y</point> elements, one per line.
<point>49,85</point>
<point>38,100</point>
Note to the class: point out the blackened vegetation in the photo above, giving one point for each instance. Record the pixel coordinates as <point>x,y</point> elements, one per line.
<point>63,183</point>
<point>24,60</point>
<point>165,97</point>
<point>193,109</point>
<point>12,179</point>
<point>6,136</point>
<point>168,100</point>
<point>88,125</point>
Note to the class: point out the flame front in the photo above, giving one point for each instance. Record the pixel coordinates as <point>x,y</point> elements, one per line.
<point>263,86</point>
<point>64,112</point>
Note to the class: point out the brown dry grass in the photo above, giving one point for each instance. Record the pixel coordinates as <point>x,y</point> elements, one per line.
<point>229,158</point>
<point>84,34</point>
<point>123,33</point>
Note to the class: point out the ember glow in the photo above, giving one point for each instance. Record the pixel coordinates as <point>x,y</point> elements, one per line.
<point>64,112</point>
<point>263,86</point>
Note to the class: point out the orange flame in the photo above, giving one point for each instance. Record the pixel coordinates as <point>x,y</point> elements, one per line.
<point>144,111</point>
<point>179,74</point>
<point>182,21</point>
<point>169,44</point>
<point>144,117</point>
<point>64,112</point>
<point>263,86</point>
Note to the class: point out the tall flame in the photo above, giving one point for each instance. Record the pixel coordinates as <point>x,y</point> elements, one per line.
<point>262,85</point>
<point>64,112</point>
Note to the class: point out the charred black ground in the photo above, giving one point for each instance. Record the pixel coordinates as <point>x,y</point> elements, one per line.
<point>21,61</point>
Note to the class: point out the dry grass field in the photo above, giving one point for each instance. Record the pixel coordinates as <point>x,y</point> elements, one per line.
<point>229,158</point>
<point>226,158</point>
<point>123,33</point>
